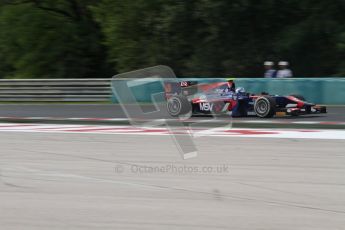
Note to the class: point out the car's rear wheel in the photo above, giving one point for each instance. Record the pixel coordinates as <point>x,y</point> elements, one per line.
<point>178,105</point>
<point>265,107</point>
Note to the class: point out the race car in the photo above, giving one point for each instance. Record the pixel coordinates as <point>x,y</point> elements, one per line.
<point>189,97</point>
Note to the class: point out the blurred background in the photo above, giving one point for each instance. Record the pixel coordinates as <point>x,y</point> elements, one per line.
<point>210,38</point>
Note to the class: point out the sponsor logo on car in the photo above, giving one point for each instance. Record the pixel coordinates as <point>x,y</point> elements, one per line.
<point>206,106</point>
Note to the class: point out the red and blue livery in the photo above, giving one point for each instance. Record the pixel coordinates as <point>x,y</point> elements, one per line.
<point>189,97</point>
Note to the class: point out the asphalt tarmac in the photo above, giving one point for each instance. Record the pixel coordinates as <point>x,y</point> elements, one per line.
<point>93,181</point>
<point>335,114</point>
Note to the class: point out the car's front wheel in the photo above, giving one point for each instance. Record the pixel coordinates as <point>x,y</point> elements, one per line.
<point>265,107</point>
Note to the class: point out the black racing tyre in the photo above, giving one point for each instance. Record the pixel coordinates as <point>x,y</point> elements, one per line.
<point>265,107</point>
<point>300,97</point>
<point>178,105</point>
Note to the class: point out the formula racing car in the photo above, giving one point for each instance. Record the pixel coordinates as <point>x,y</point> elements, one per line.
<point>189,97</point>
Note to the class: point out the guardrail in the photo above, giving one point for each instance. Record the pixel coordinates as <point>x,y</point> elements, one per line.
<point>55,90</point>
<point>319,90</point>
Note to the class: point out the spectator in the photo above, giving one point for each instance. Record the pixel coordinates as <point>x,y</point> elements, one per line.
<point>283,71</point>
<point>270,71</point>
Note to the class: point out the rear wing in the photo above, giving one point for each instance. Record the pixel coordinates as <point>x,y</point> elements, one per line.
<point>180,88</point>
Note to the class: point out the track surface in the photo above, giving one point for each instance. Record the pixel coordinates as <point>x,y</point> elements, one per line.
<point>91,181</point>
<point>335,114</point>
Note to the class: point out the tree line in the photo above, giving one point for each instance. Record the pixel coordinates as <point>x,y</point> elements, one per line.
<point>213,38</point>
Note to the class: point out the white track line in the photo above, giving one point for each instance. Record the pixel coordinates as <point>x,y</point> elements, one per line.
<point>188,120</point>
<point>197,132</point>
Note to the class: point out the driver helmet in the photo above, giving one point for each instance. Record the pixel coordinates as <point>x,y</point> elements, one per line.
<point>231,85</point>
